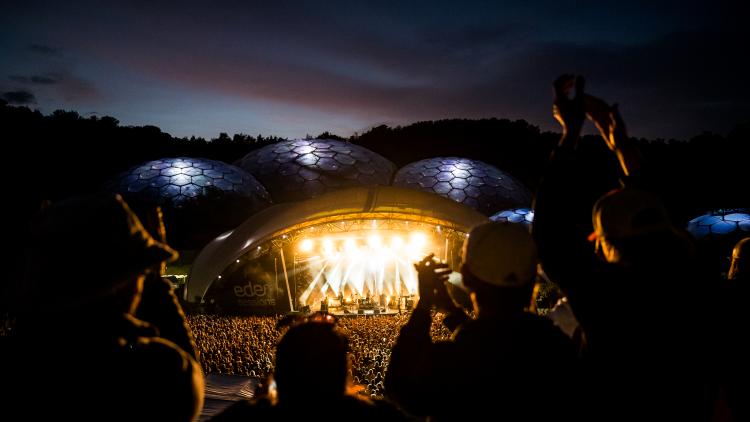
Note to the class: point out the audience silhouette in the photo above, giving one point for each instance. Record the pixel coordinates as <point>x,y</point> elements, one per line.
<point>311,380</point>
<point>78,351</point>
<point>734,323</point>
<point>645,308</point>
<point>507,363</point>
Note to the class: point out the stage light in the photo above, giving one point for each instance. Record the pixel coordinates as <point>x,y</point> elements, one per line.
<point>418,239</point>
<point>327,246</point>
<point>366,262</point>
<point>306,245</point>
<point>374,241</point>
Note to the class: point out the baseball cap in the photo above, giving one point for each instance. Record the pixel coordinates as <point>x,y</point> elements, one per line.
<point>628,212</point>
<point>500,254</point>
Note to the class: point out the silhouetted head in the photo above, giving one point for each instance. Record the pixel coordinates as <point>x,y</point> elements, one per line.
<point>311,363</point>
<point>499,266</point>
<point>629,223</point>
<point>87,249</point>
<point>740,267</point>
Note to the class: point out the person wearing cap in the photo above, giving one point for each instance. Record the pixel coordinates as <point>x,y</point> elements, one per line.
<point>505,362</point>
<point>735,319</point>
<point>629,274</point>
<point>77,339</point>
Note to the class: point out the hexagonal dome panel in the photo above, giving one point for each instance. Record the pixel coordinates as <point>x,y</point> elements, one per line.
<point>719,223</point>
<point>523,216</point>
<point>176,182</point>
<point>474,183</point>
<point>304,168</point>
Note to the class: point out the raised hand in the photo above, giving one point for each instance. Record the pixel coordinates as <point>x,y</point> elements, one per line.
<point>612,128</point>
<point>569,112</point>
<point>608,120</point>
<point>432,277</point>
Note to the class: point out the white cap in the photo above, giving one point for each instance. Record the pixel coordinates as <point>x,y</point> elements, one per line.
<point>500,254</point>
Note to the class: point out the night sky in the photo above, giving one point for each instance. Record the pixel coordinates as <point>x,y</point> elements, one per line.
<point>291,69</point>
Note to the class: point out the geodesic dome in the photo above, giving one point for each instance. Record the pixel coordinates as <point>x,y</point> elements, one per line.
<point>305,168</point>
<point>719,223</point>
<point>470,182</point>
<point>201,198</point>
<point>523,216</point>
<point>175,182</point>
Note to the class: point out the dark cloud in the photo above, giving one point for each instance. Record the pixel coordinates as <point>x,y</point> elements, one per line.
<point>674,86</point>
<point>43,49</point>
<point>679,85</point>
<point>19,78</point>
<point>19,97</point>
<point>64,83</point>
<point>44,80</point>
<point>676,69</point>
<point>36,79</point>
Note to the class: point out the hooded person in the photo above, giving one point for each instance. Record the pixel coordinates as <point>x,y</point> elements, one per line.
<point>492,365</point>
<point>87,260</point>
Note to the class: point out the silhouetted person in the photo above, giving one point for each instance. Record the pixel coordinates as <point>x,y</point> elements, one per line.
<point>311,378</point>
<point>507,364</point>
<point>735,326</point>
<point>644,306</point>
<point>78,351</point>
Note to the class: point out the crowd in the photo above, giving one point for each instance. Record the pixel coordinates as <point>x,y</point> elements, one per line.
<point>245,345</point>
<point>235,345</point>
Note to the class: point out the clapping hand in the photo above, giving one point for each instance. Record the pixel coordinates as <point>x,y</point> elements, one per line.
<point>432,276</point>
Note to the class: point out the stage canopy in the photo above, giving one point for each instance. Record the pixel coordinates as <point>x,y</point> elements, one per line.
<point>380,209</point>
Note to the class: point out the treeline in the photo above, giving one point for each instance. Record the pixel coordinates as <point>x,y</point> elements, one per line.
<point>64,154</point>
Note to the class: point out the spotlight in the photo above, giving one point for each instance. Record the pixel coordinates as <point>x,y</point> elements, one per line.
<point>327,246</point>
<point>306,245</point>
<point>374,241</point>
<point>418,239</point>
<point>350,245</point>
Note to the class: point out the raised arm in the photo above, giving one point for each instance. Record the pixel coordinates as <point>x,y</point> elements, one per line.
<point>410,378</point>
<point>569,112</point>
<point>612,129</point>
<point>580,171</point>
